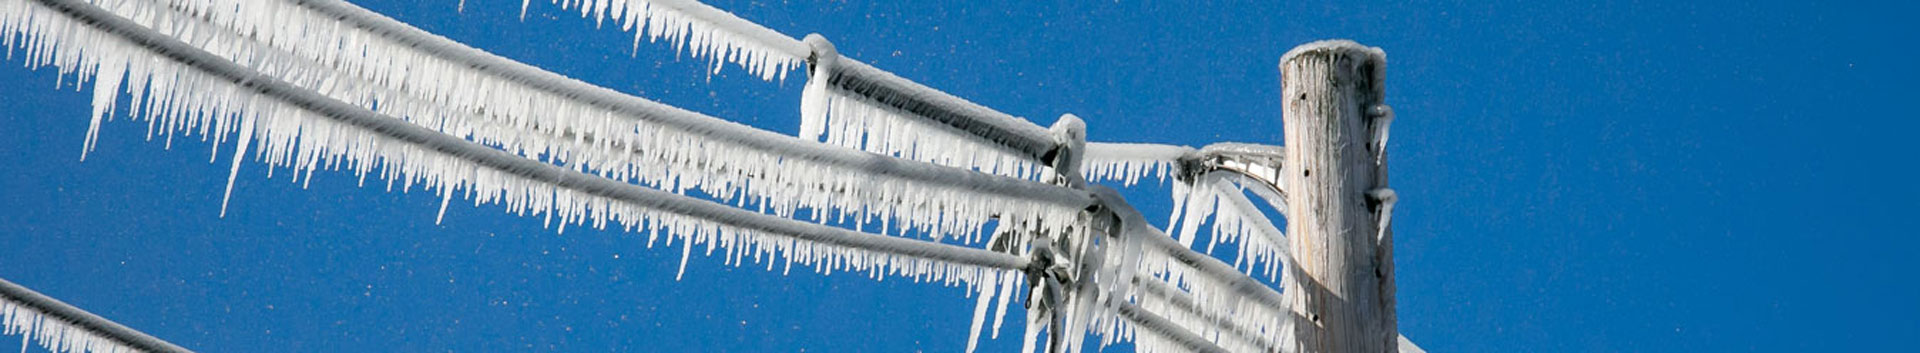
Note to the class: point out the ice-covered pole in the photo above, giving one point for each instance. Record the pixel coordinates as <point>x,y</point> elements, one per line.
<point>1342,280</point>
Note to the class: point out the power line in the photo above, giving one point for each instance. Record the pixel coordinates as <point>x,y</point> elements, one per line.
<point>61,327</point>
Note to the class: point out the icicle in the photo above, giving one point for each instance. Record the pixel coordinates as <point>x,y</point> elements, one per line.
<point>239,154</point>
<point>1006,295</point>
<point>686,250</point>
<point>1182,193</point>
<point>1129,162</point>
<point>813,98</point>
<point>1196,208</point>
<point>446,197</point>
<point>987,290</point>
<point>105,93</point>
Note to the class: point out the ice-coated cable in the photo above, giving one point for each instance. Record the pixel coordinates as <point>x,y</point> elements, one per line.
<point>699,29</point>
<point>691,121</point>
<point>61,327</point>
<point>509,165</point>
<point>963,195</point>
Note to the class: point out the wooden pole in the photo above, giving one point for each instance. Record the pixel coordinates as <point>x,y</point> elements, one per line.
<point>1341,286</point>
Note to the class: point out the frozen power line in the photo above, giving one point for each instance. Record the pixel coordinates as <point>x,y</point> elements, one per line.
<point>75,35</point>
<point>61,327</point>
<point>313,84</point>
<point>361,57</point>
<point>871,109</point>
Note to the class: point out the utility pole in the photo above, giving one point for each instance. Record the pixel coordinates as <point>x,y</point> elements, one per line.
<point>1335,126</point>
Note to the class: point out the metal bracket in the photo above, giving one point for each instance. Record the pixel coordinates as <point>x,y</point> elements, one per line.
<point>1260,164</point>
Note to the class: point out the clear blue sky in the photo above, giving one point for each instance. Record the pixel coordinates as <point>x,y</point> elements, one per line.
<point>1656,176</point>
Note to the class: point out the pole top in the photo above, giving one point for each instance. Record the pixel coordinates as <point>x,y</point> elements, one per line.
<point>1365,55</point>
<point>1337,47</point>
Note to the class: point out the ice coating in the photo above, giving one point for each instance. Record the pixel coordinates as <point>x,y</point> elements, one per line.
<point>698,29</point>
<point>856,105</point>
<point>862,123</point>
<point>1217,290</point>
<point>184,108</point>
<point>194,92</point>
<point>53,333</point>
<point>359,57</point>
<point>1235,219</point>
